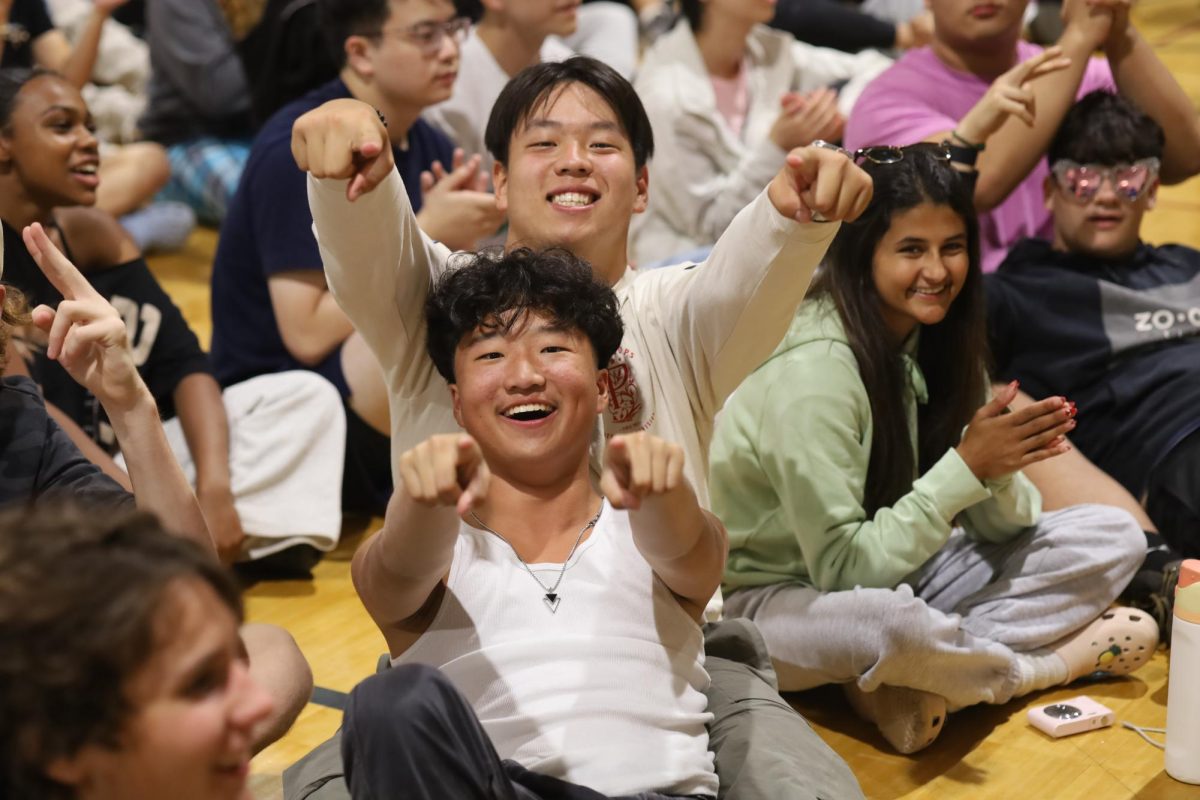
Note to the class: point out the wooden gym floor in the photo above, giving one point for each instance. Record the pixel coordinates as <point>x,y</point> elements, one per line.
<point>984,752</point>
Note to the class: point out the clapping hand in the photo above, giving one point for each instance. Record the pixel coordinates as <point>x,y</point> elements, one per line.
<point>998,443</point>
<point>804,118</point>
<point>457,208</point>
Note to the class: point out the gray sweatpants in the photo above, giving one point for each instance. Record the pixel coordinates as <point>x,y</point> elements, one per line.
<point>955,626</point>
<point>764,750</point>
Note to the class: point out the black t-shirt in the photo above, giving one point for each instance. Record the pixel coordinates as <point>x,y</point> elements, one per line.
<point>1121,339</point>
<point>38,460</point>
<point>164,347</point>
<point>268,229</point>
<point>27,20</point>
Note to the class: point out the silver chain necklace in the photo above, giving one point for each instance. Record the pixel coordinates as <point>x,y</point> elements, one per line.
<point>552,598</point>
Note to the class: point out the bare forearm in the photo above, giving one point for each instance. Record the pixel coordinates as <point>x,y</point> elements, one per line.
<point>395,571</point>
<point>201,413</point>
<point>159,485</point>
<point>1016,148</point>
<point>1145,80</point>
<point>79,65</point>
<point>685,545</point>
<point>312,331</point>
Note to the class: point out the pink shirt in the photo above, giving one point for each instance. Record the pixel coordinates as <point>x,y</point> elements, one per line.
<point>920,96</point>
<point>733,99</point>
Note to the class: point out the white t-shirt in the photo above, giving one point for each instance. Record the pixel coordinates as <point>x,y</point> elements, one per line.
<point>464,116</point>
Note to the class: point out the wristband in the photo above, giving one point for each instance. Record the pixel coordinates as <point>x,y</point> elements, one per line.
<point>961,155</point>
<point>956,136</point>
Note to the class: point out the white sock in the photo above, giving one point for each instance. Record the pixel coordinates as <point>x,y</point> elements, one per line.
<point>1039,669</point>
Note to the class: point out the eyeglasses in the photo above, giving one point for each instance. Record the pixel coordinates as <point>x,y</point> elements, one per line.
<point>1082,182</point>
<point>429,36</point>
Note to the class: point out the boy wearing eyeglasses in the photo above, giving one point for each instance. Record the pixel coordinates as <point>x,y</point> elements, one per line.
<point>1098,315</point>
<point>272,311</point>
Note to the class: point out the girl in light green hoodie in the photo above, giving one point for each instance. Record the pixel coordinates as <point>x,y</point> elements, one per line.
<point>882,535</point>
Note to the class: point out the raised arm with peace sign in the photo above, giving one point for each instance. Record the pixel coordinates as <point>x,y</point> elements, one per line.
<point>88,337</point>
<point>86,334</point>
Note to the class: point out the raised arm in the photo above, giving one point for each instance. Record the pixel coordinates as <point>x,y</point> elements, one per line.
<point>378,263</point>
<point>1017,146</point>
<point>397,570</point>
<point>1145,80</point>
<point>88,337</point>
<point>684,544</point>
<point>729,313</point>
<point>77,61</point>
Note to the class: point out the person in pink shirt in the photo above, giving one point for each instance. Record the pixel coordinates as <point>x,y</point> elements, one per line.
<point>928,91</point>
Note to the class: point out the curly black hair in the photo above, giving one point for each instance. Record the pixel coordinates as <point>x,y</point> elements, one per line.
<point>495,289</point>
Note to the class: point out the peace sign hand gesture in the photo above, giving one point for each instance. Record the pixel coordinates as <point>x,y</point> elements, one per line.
<point>86,334</point>
<point>1010,95</point>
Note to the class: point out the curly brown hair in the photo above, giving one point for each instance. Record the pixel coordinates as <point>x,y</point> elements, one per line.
<point>80,596</point>
<point>15,314</point>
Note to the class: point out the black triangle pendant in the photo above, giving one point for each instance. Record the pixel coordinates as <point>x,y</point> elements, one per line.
<point>552,600</point>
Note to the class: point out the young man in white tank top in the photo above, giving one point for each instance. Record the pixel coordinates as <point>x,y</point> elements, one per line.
<point>561,620</point>
<point>571,141</point>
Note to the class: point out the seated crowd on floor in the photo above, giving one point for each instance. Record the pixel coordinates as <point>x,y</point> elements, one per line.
<point>688,352</point>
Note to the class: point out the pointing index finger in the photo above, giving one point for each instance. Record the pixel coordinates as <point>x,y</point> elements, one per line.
<point>55,266</point>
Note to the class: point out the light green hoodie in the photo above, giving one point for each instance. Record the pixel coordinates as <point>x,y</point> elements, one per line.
<point>789,464</point>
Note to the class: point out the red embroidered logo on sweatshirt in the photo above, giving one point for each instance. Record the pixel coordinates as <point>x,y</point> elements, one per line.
<point>625,405</point>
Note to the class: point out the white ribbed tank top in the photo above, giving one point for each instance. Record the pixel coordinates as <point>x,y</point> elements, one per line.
<point>606,693</point>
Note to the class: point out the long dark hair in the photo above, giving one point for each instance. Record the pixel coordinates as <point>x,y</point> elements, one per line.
<point>952,354</point>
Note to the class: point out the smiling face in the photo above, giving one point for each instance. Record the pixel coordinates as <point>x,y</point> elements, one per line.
<point>49,147</point>
<point>530,396</point>
<point>196,705</point>
<point>571,181</point>
<point>967,24</point>
<point>409,63</point>
<point>919,267</point>
<point>1104,226</point>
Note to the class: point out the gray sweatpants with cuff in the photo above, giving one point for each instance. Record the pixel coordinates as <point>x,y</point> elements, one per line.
<point>955,626</point>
